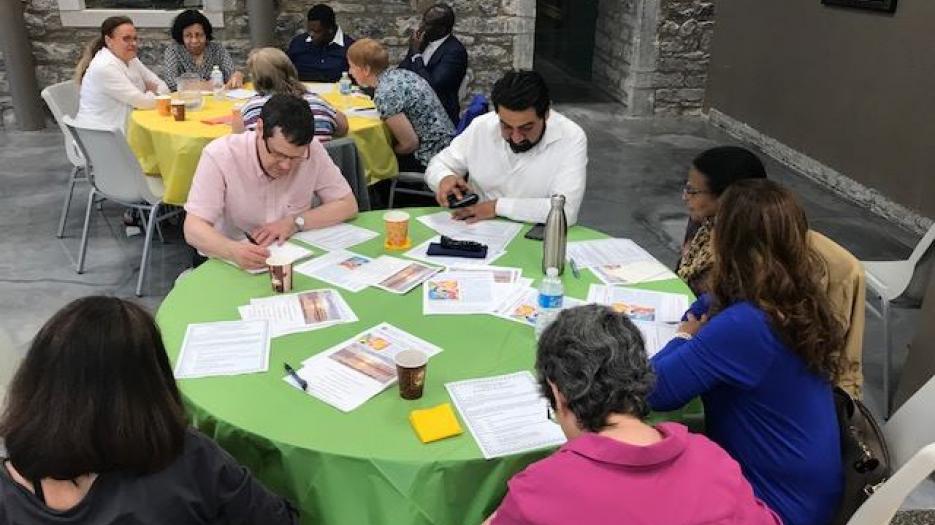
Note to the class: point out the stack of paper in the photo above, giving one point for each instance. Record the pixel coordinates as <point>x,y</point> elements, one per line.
<point>223,349</point>
<point>240,94</point>
<point>340,268</point>
<point>348,374</point>
<point>496,234</point>
<point>618,261</point>
<point>506,414</point>
<point>397,275</point>
<point>337,237</point>
<point>522,305</point>
<point>656,314</point>
<point>471,290</point>
<point>421,252</point>
<point>299,312</point>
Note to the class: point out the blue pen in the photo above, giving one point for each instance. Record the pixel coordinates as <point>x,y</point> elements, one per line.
<point>574,268</point>
<point>291,371</point>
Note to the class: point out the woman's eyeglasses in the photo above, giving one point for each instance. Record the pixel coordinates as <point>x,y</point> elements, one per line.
<point>691,192</point>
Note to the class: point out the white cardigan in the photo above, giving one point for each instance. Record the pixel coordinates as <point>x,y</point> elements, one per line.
<point>112,88</point>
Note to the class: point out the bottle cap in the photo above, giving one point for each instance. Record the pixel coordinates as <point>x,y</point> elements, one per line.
<point>551,271</point>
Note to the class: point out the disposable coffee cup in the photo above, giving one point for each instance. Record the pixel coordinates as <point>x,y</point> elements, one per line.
<point>280,273</point>
<point>164,105</point>
<point>178,109</point>
<point>397,230</point>
<point>410,369</point>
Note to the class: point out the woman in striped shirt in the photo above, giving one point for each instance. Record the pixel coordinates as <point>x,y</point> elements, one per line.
<point>273,73</point>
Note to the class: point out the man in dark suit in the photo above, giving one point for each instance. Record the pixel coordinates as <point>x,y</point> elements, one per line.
<point>438,56</point>
<point>320,54</point>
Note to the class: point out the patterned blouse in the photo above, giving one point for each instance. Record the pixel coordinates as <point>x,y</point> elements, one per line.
<point>178,60</point>
<point>324,114</point>
<point>402,91</point>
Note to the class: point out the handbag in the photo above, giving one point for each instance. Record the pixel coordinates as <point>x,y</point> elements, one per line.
<point>865,458</point>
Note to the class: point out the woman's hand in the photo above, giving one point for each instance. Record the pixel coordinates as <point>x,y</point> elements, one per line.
<point>691,325</point>
<point>235,81</point>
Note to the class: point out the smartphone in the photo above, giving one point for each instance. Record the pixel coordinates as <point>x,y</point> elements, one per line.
<point>536,233</point>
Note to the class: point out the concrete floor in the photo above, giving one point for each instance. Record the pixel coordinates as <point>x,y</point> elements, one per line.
<point>636,171</point>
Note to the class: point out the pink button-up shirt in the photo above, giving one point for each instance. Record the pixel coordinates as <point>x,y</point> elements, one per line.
<point>231,191</point>
<point>683,479</point>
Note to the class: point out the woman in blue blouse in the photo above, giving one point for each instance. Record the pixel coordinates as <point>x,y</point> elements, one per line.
<point>759,350</point>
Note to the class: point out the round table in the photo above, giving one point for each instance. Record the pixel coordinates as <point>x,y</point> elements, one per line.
<point>365,466</point>
<point>172,149</point>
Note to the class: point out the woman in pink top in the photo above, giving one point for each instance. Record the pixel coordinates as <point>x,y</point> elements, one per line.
<point>616,468</point>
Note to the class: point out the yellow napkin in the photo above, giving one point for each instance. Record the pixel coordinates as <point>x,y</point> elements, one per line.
<point>432,424</point>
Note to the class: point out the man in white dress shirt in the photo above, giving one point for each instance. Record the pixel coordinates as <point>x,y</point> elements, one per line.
<point>517,157</point>
<point>115,80</point>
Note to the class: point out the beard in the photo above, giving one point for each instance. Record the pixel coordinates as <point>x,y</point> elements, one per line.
<point>526,145</point>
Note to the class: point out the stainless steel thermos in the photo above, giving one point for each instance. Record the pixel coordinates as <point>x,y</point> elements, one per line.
<point>556,230</point>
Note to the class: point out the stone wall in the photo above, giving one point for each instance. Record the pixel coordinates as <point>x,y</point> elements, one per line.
<point>614,39</point>
<point>498,34</point>
<point>686,28</point>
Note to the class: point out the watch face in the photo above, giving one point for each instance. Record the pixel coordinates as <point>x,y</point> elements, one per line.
<point>300,222</point>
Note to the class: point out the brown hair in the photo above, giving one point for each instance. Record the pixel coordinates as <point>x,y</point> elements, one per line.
<point>762,255</point>
<point>273,73</point>
<point>107,29</point>
<point>95,393</point>
<point>367,52</point>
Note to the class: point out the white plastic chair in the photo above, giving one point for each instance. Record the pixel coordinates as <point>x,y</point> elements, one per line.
<point>409,177</point>
<point>889,280</point>
<point>115,174</point>
<point>62,99</point>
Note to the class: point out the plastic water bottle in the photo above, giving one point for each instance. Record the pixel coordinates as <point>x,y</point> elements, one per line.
<point>217,83</point>
<point>344,85</point>
<point>551,294</point>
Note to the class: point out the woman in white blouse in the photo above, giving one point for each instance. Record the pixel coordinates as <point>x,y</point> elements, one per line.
<point>113,80</point>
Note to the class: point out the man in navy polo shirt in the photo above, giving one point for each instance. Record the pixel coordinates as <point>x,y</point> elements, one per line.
<point>320,54</point>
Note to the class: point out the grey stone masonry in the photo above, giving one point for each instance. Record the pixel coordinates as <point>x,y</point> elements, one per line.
<point>686,28</point>
<point>498,34</point>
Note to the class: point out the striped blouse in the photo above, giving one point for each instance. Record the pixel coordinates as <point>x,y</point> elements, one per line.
<point>178,60</point>
<point>324,114</point>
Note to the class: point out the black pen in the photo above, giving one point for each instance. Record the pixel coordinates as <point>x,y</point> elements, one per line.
<point>251,239</point>
<point>291,371</point>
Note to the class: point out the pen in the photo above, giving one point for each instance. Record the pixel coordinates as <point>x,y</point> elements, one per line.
<point>574,268</point>
<point>251,239</point>
<point>291,371</point>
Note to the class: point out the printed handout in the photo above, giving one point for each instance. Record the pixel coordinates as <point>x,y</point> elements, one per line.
<point>287,250</point>
<point>640,305</point>
<point>506,414</point>
<point>340,268</point>
<point>655,335</point>
<point>496,234</point>
<point>633,273</point>
<point>223,349</point>
<point>522,306</point>
<point>299,312</point>
<point>408,277</point>
<point>337,237</point>
<point>420,252</point>
<point>458,293</point>
<point>348,374</point>
<point>606,252</point>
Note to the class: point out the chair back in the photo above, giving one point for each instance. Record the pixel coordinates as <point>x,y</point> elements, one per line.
<point>62,99</point>
<point>344,154</point>
<point>112,168</point>
<point>922,260</point>
<point>912,426</point>
<point>924,245</point>
<point>845,286</point>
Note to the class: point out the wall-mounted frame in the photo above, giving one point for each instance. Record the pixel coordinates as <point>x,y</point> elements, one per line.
<point>887,6</point>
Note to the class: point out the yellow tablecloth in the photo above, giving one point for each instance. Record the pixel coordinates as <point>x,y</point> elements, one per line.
<point>172,149</point>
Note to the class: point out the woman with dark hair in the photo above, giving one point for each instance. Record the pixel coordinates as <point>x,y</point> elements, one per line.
<point>96,432</point>
<point>616,468</point>
<point>762,349</point>
<point>195,51</point>
<point>711,173</point>
<point>113,80</point>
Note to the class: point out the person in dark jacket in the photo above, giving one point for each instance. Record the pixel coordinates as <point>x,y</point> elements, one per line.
<point>320,54</point>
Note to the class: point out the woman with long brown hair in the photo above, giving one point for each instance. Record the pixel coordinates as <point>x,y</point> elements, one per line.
<point>762,350</point>
<point>112,78</point>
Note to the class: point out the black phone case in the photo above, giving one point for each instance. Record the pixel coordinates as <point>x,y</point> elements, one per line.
<point>437,249</point>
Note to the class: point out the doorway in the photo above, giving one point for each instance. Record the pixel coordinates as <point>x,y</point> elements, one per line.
<point>565,46</point>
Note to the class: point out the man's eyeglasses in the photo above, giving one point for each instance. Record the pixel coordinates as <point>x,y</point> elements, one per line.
<point>280,157</point>
<point>691,192</point>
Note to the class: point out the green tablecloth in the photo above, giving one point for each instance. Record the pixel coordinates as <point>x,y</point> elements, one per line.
<point>367,466</point>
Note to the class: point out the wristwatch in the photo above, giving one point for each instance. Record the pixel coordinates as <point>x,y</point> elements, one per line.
<point>299,222</point>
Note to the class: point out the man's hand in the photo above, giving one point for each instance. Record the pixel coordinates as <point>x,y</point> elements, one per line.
<point>278,232</point>
<point>417,42</point>
<point>249,256</point>
<point>451,185</point>
<point>479,212</point>
<point>691,324</point>
<point>235,81</point>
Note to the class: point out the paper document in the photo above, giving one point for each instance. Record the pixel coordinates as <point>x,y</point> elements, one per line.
<point>406,276</point>
<point>496,234</point>
<point>522,306</point>
<point>299,312</point>
<point>633,273</point>
<point>458,293</point>
<point>604,252</point>
<point>240,93</point>
<point>642,305</point>
<point>223,348</point>
<point>319,87</point>
<point>655,335</point>
<point>337,237</point>
<point>506,414</point>
<point>501,274</point>
<point>287,250</point>
<point>421,252</point>
<point>348,374</point>
<point>340,268</point>
<point>369,113</point>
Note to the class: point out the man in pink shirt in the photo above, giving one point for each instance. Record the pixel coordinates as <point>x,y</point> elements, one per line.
<point>259,186</point>
<point>616,468</point>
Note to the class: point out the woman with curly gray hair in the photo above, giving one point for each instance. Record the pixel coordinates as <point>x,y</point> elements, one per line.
<point>616,468</point>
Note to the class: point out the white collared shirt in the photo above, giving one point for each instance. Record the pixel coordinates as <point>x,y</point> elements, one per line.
<point>522,183</point>
<point>432,48</point>
<point>112,88</point>
<point>338,38</point>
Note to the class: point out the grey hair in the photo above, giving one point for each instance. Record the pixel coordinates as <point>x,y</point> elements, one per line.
<point>596,359</point>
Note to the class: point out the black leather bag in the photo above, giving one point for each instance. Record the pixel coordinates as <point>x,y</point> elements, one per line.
<point>865,457</point>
